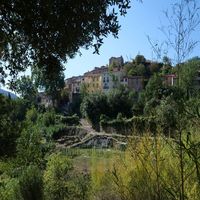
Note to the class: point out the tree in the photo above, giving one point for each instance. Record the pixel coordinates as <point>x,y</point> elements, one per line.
<point>30,148</point>
<point>183,18</point>
<point>129,68</point>
<point>166,61</point>
<point>26,88</point>
<point>64,99</point>
<point>154,67</point>
<point>52,83</point>
<point>140,70</point>
<point>154,84</point>
<point>84,90</point>
<point>31,183</point>
<point>35,33</point>
<point>188,73</point>
<point>12,113</point>
<point>93,106</point>
<point>140,59</point>
<point>120,100</point>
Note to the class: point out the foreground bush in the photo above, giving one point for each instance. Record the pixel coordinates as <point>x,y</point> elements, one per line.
<point>56,177</point>
<point>31,183</point>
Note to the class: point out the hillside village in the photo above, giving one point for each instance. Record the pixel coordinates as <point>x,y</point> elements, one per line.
<point>105,78</point>
<point>116,74</point>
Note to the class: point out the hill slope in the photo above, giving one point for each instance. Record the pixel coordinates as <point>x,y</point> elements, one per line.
<point>6,93</point>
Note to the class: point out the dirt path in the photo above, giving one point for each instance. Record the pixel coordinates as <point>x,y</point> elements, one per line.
<point>87,126</point>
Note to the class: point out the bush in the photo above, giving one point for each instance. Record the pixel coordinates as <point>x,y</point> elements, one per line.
<point>31,183</point>
<point>32,115</point>
<point>69,120</point>
<point>150,169</point>
<point>30,147</point>
<point>128,126</point>
<point>81,187</point>
<point>56,177</point>
<point>10,125</point>
<point>49,118</point>
<point>10,189</point>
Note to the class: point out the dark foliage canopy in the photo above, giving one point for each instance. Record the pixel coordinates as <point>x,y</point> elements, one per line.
<point>41,33</point>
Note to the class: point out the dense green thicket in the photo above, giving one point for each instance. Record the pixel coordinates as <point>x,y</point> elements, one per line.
<point>12,114</point>
<point>141,67</point>
<point>117,101</point>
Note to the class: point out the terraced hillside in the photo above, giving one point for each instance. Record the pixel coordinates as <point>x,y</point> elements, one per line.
<point>86,137</point>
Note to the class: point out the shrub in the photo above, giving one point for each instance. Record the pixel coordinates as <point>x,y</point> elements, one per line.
<point>69,120</point>
<point>10,125</point>
<point>49,118</point>
<point>31,183</point>
<point>81,187</point>
<point>32,115</point>
<point>10,189</point>
<point>56,177</point>
<point>30,147</point>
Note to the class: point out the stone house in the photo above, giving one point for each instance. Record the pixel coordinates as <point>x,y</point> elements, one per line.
<point>45,100</point>
<point>135,83</point>
<point>73,85</point>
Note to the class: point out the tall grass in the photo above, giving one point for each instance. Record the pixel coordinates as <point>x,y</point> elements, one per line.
<point>150,170</point>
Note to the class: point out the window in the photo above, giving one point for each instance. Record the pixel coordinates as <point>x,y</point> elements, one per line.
<point>105,87</point>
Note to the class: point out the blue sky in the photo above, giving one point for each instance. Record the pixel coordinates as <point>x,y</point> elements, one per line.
<point>142,19</point>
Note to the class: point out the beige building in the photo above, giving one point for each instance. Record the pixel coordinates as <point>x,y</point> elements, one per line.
<point>112,79</point>
<point>93,79</point>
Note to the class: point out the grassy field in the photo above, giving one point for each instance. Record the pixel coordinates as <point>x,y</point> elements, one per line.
<point>101,160</point>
